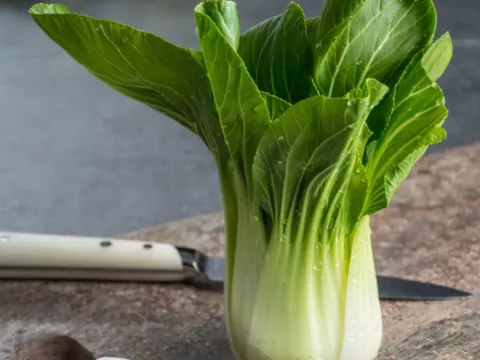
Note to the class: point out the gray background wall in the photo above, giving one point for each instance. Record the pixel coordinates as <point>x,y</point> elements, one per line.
<point>78,158</point>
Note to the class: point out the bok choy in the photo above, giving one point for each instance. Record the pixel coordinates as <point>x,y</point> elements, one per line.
<point>313,124</point>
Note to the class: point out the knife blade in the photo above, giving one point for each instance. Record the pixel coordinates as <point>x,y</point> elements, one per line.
<point>66,257</point>
<point>389,288</point>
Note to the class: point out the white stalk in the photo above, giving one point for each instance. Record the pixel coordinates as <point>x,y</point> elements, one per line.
<point>312,304</point>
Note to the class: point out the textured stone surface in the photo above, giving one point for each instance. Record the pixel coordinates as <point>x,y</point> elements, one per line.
<point>430,233</point>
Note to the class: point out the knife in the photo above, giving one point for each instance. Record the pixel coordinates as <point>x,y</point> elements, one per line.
<point>43,256</point>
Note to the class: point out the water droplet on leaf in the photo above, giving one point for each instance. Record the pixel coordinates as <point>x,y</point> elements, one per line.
<point>125,40</point>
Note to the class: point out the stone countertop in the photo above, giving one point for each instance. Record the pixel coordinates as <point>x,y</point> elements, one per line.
<point>430,233</point>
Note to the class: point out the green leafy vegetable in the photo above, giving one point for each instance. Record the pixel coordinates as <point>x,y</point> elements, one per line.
<point>314,124</point>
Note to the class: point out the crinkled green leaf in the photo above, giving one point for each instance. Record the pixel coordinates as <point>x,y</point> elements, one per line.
<point>316,126</point>
<point>332,22</point>
<point>224,15</point>
<point>241,108</point>
<point>309,139</point>
<point>357,39</point>
<point>137,64</point>
<point>438,57</point>
<point>398,173</point>
<point>278,56</point>
<point>417,111</point>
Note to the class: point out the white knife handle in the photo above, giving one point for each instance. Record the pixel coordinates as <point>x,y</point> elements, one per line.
<point>72,257</point>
